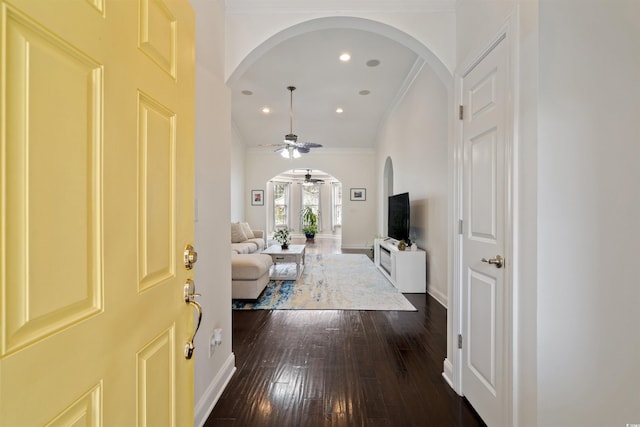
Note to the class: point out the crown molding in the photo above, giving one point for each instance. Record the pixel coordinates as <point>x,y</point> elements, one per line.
<point>316,152</point>
<point>338,6</point>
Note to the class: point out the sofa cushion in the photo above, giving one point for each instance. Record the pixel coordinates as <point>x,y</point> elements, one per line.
<point>247,230</point>
<point>244,247</point>
<point>249,267</point>
<point>258,242</point>
<point>237,233</point>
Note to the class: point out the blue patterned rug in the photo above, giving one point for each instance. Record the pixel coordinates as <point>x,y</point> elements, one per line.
<point>331,282</point>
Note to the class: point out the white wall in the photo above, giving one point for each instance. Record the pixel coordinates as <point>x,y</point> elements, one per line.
<point>238,193</point>
<point>415,137</point>
<point>354,168</point>
<point>213,269</point>
<point>588,204</point>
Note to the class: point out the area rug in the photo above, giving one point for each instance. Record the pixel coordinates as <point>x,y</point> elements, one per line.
<point>331,282</point>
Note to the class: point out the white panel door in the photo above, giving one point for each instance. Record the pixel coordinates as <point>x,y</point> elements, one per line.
<point>483,361</point>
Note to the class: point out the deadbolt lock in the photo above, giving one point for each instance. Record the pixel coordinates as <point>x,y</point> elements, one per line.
<point>190,257</point>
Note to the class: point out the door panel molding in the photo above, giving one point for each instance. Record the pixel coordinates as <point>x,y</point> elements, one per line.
<point>156,191</point>
<point>34,308</point>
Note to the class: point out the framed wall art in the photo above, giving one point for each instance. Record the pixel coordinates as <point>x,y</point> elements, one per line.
<point>257,197</point>
<point>359,194</point>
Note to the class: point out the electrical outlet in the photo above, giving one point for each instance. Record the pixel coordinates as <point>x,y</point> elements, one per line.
<point>215,340</point>
<point>212,344</point>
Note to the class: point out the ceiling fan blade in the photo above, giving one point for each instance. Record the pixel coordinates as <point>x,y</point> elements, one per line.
<point>278,150</point>
<point>309,145</point>
<point>303,150</point>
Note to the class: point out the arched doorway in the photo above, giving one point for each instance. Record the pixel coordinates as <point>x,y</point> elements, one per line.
<point>291,191</point>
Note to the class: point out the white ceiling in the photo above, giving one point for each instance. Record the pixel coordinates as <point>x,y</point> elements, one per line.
<point>310,63</point>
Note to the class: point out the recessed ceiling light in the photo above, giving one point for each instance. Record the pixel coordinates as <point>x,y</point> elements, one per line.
<point>266,110</point>
<point>364,92</point>
<point>345,57</point>
<point>373,63</point>
<point>247,92</point>
<point>339,110</point>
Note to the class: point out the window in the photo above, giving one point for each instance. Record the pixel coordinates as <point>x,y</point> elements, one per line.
<point>336,202</point>
<point>280,204</point>
<point>311,197</point>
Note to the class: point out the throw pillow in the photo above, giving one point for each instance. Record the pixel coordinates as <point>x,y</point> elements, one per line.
<point>237,234</point>
<point>247,230</point>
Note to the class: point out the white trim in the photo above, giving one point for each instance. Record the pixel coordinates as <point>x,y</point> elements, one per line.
<point>447,372</point>
<point>214,391</point>
<point>438,296</point>
<point>355,247</point>
<point>453,368</point>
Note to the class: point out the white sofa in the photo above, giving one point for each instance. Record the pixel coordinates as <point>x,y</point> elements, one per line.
<point>244,240</point>
<point>249,275</point>
<point>249,268</point>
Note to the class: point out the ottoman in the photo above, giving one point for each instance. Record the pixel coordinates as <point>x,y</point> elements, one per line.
<point>249,275</point>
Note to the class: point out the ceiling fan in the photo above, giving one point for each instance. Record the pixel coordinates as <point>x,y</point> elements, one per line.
<point>308,180</point>
<point>290,147</point>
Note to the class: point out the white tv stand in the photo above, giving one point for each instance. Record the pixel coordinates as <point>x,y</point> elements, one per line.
<point>406,270</point>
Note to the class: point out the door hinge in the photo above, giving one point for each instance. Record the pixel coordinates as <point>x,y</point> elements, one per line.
<point>460,227</point>
<point>459,340</point>
<point>460,112</point>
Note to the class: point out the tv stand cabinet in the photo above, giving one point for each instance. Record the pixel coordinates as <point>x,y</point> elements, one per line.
<point>406,270</point>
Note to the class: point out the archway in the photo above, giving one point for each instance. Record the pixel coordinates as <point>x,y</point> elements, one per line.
<point>350,22</point>
<point>288,192</point>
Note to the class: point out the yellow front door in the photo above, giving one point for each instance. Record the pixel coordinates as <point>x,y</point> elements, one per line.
<point>96,195</point>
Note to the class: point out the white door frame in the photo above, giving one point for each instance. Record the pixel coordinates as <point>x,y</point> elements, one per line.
<point>453,367</point>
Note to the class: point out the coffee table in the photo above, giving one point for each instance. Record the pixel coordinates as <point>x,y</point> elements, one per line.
<point>293,255</point>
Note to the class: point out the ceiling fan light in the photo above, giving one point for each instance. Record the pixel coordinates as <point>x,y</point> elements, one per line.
<point>296,154</point>
<point>285,154</point>
<point>290,138</point>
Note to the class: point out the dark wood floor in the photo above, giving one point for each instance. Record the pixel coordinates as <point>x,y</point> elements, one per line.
<point>341,368</point>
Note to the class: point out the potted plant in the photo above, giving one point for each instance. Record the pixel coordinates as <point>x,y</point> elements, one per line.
<point>309,222</point>
<point>282,236</point>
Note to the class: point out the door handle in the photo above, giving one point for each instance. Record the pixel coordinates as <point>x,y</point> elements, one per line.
<point>190,298</point>
<point>498,261</point>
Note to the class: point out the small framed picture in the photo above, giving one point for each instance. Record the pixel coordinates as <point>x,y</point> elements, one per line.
<point>257,197</point>
<point>359,194</point>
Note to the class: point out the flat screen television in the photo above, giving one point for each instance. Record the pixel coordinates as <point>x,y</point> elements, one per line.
<point>398,219</point>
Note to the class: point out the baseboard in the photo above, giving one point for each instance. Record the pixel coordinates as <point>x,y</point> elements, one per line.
<point>447,373</point>
<point>317,236</point>
<point>359,247</point>
<point>438,296</point>
<point>214,391</point>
